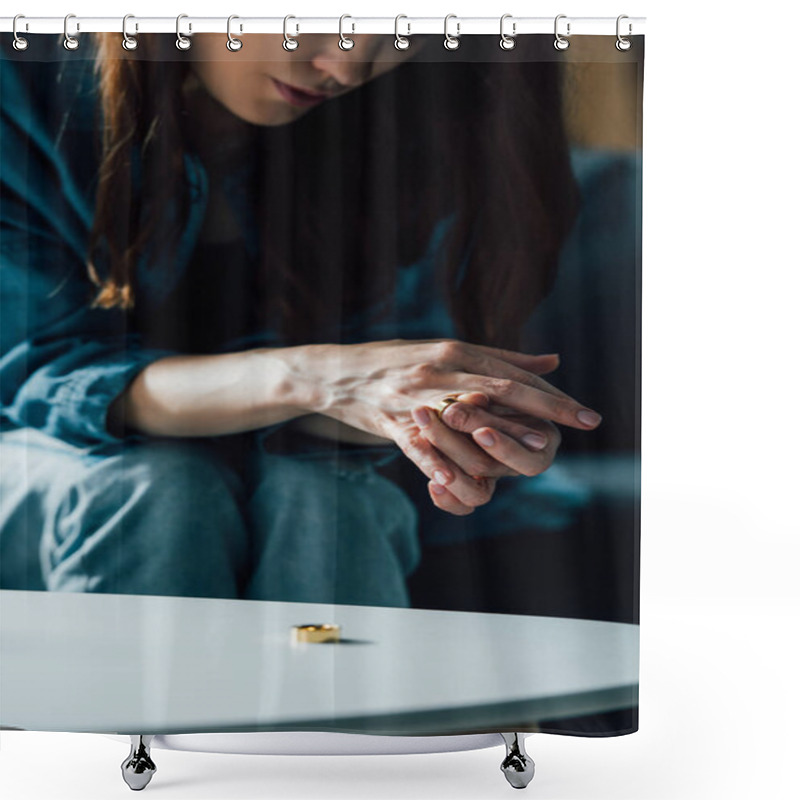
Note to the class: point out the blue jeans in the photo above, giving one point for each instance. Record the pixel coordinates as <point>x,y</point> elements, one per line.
<point>203,518</point>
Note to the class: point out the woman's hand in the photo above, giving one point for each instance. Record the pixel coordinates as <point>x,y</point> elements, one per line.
<point>374,387</point>
<point>518,445</point>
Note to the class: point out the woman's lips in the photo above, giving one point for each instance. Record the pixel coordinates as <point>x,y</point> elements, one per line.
<point>298,97</point>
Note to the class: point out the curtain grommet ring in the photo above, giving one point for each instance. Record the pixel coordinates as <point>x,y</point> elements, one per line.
<point>452,42</point>
<point>233,44</point>
<point>622,44</point>
<point>182,42</point>
<point>70,42</point>
<point>560,42</point>
<point>401,42</point>
<point>507,42</point>
<point>129,42</point>
<point>289,42</point>
<point>345,42</point>
<point>20,43</point>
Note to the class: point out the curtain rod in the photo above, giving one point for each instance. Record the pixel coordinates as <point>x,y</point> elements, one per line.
<point>298,25</point>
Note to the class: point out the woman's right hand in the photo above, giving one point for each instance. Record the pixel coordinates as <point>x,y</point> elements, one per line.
<point>374,386</point>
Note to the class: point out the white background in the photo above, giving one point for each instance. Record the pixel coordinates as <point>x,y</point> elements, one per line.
<point>721,415</point>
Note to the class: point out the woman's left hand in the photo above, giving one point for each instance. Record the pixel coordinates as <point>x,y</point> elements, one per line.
<point>520,445</point>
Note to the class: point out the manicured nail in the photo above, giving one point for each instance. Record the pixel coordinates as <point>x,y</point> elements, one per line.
<point>438,489</point>
<point>421,417</point>
<point>484,437</point>
<point>439,477</point>
<point>535,440</point>
<point>589,417</point>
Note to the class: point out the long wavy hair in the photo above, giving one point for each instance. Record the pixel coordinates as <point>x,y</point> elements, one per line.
<point>350,192</point>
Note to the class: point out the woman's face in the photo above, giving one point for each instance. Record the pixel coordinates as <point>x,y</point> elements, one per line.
<point>265,85</point>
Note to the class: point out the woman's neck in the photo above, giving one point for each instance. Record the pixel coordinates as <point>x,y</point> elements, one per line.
<point>220,138</point>
<point>224,143</point>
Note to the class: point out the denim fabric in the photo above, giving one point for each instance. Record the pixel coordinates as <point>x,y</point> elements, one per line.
<point>62,362</point>
<point>202,518</point>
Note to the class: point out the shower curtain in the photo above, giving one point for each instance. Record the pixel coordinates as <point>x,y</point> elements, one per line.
<point>324,323</point>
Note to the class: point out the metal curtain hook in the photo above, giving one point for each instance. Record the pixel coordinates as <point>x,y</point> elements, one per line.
<point>233,44</point>
<point>401,42</point>
<point>182,42</point>
<point>507,42</point>
<point>70,42</point>
<point>622,43</point>
<point>560,42</point>
<point>289,42</point>
<point>129,42</point>
<point>345,43</point>
<point>20,42</point>
<point>451,42</point>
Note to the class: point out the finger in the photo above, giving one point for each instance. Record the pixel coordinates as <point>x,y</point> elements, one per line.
<point>550,431</point>
<point>457,447</point>
<point>529,361</point>
<point>468,417</point>
<point>530,400</point>
<point>542,364</point>
<point>436,466</point>
<point>487,364</point>
<point>480,360</point>
<point>525,449</point>
<point>472,491</point>
<point>509,451</point>
<point>477,398</point>
<point>524,360</point>
<point>482,400</point>
<point>445,500</point>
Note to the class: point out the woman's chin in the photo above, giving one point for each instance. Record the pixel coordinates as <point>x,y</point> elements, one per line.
<point>266,113</point>
<point>273,113</point>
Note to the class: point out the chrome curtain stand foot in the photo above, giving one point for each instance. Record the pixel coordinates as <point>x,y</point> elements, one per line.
<point>138,768</point>
<point>517,766</point>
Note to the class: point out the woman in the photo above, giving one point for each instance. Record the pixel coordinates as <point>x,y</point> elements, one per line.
<point>256,289</point>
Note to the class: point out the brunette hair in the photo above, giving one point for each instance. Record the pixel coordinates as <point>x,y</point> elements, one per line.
<point>350,192</point>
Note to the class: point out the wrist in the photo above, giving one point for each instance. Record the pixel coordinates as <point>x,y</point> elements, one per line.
<point>291,378</point>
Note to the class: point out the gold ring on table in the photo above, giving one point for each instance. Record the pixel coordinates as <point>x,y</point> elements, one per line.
<point>443,403</point>
<point>316,633</point>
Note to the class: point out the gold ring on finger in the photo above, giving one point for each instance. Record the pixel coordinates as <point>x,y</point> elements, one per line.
<point>443,403</point>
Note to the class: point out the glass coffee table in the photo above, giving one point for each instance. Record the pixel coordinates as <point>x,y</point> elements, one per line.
<point>165,668</point>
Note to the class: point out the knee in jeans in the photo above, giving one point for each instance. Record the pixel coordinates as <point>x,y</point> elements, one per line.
<point>153,518</point>
<point>169,483</point>
<point>345,500</point>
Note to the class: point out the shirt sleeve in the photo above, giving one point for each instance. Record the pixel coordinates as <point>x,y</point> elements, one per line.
<point>62,362</point>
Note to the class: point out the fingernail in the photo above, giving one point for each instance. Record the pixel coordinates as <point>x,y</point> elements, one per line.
<point>484,437</point>
<point>440,477</point>
<point>421,416</point>
<point>535,440</point>
<point>438,489</point>
<point>589,417</point>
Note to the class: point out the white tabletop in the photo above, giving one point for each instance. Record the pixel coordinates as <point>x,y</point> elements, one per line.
<point>110,663</point>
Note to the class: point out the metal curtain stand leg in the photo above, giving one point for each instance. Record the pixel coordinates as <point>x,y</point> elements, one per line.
<point>138,768</point>
<point>517,766</point>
